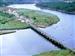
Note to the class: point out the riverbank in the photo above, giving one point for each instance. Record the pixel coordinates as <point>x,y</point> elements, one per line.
<point>56,53</point>
<point>63,7</point>
<point>2,32</point>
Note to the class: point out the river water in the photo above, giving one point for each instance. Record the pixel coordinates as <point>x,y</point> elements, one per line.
<point>27,42</point>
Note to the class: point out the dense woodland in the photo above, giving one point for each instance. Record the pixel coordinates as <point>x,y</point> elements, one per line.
<point>60,6</point>
<point>49,4</point>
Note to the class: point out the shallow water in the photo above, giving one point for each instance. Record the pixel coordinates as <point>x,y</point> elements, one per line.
<point>27,42</point>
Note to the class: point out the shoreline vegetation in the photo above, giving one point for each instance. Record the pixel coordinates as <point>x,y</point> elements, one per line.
<point>63,7</point>
<point>56,53</point>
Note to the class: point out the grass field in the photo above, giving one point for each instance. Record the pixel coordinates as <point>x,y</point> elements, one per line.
<point>40,19</point>
<point>8,21</point>
<point>56,53</point>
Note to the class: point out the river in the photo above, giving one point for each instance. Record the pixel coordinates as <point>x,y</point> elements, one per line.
<point>27,42</point>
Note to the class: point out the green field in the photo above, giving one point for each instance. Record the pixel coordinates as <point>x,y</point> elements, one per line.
<point>40,19</point>
<point>8,21</point>
<point>56,53</point>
